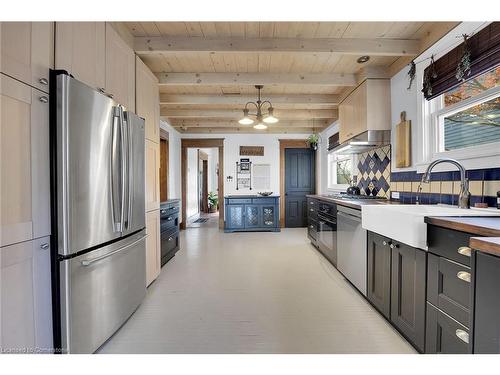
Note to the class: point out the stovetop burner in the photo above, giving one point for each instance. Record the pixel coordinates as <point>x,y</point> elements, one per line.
<point>353,197</point>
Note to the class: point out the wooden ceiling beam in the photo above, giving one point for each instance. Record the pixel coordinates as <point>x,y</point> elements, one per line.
<point>349,46</point>
<point>436,32</point>
<point>184,124</point>
<point>239,79</point>
<point>250,130</point>
<point>242,99</point>
<point>294,114</point>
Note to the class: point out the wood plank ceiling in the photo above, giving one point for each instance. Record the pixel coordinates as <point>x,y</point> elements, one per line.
<point>207,70</point>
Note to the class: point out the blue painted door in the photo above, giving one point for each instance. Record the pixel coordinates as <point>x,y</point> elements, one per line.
<point>299,181</point>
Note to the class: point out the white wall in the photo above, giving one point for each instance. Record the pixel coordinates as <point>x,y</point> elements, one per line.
<point>323,157</point>
<point>174,161</point>
<point>412,100</point>
<point>193,207</point>
<point>232,143</point>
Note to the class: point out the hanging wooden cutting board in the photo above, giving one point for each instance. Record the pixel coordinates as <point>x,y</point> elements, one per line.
<point>403,142</point>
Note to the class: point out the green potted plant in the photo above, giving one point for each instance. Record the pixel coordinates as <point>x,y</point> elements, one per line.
<point>213,202</point>
<point>313,141</point>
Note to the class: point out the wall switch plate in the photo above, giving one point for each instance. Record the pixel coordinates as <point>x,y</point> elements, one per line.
<point>394,194</point>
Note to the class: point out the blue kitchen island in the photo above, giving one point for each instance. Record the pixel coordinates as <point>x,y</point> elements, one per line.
<point>251,213</point>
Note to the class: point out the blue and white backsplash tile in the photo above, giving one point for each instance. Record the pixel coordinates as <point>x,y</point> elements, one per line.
<point>374,172</point>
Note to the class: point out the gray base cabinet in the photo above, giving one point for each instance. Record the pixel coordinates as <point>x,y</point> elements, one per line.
<point>448,291</point>
<point>251,214</point>
<point>379,273</point>
<point>408,292</point>
<point>396,285</point>
<point>486,321</point>
<point>444,335</point>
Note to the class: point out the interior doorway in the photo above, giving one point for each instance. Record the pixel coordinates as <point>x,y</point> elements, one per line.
<point>202,188</point>
<point>164,150</point>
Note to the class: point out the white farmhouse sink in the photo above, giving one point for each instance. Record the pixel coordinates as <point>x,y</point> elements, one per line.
<point>405,222</point>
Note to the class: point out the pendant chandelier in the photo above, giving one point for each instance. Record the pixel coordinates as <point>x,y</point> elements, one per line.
<point>261,119</point>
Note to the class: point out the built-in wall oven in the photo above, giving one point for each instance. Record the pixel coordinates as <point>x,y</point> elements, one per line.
<point>327,230</point>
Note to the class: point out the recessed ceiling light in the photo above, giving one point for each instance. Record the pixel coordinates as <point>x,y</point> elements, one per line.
<point>363,59</point>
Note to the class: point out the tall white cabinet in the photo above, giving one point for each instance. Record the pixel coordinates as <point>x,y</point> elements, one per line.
<point>94,53</point>
<point>80,49</point>
<point>148,107</point>
<point>26,301</point>
<point>27,52</point>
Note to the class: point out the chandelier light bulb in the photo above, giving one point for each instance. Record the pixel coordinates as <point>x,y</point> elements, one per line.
<point>260,126</point>
<point>270,119</point>
<point>246,120</point>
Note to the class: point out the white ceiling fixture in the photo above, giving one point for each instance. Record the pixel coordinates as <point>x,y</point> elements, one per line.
<point>261,118</point>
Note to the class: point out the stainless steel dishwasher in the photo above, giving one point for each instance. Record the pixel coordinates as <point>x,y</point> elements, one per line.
<point>351,247</point>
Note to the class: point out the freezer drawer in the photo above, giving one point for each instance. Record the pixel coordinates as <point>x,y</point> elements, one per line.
<point>99,292</point>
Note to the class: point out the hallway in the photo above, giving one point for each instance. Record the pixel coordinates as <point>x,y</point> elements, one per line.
<point>253,293</point>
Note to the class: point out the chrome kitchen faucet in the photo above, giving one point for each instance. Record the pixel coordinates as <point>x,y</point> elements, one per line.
<point>463,196</point>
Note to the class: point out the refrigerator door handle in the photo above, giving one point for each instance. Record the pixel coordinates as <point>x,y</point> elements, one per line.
<point>130,175</point>
<point>124,169</point>
<point>116,175</point>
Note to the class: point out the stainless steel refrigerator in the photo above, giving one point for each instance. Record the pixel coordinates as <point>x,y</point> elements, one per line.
<point>98,181</point>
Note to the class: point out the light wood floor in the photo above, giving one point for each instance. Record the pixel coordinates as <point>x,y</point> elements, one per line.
<point>253,293</point>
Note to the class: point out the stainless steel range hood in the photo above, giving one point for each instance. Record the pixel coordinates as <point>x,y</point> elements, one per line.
<point>364,142</point>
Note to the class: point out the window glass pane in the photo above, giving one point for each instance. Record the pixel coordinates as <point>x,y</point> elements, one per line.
<point>476,125</point>
<point>344,168</point>
<point>473,87</point>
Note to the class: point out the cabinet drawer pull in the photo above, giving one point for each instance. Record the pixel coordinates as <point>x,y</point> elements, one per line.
<point>43,81</point>
<point>311,209</point>
<point>43,99</point>
<point>44,246</point>
<point>462,335</point>
<point>465,276</point>
<point>464,250</point>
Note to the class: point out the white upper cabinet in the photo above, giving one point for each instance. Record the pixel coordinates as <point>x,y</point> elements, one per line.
<point>81,50</point>
<point>24,162</point>
<point>27,50</point>
<point>148,100</point>
<point>120,69</point>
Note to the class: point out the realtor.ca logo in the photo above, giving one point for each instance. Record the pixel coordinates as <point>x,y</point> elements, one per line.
<point>30,350</point>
